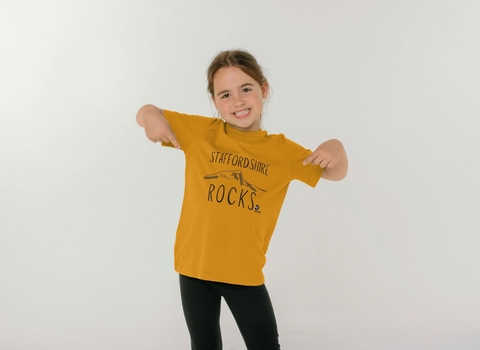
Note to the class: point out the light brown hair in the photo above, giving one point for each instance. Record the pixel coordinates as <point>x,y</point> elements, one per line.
<point>235,58</point>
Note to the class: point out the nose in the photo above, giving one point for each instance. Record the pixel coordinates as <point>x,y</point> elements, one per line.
<point>238,100</point>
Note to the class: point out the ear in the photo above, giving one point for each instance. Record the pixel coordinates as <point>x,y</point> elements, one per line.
<point>265,89</point>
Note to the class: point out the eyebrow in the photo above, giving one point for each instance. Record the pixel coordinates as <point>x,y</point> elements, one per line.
<point>241,86</point>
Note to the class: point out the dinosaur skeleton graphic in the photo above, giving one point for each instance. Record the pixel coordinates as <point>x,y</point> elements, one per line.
<point>235,175</point>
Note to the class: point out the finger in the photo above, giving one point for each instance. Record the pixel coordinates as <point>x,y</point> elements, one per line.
<point>318,161</point>
<point>159,139</point>
<point>324,163</point>
<point>333,162</point>
<point>170,138</point>
<point>309,159</point>
<point>150,137</point>
<point>173,140</point>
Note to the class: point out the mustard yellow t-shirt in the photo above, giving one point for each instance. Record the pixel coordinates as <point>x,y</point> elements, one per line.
<point>235,184</point>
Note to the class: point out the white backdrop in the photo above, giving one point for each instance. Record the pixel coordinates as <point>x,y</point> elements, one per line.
<point>386,259</point>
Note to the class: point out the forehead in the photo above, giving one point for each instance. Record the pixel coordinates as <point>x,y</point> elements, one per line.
<point>230,78</point>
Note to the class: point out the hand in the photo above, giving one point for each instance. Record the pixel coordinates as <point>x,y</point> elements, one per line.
<point>158,129</point>
<point>327,155</point>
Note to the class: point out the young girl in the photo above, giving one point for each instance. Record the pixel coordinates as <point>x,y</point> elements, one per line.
<point>236,178</point>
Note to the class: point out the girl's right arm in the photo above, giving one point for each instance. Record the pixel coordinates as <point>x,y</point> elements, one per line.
<point>157,128</point>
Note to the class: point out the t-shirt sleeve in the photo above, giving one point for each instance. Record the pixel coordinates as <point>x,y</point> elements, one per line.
<point>309,174</point>
<point>185,127</point>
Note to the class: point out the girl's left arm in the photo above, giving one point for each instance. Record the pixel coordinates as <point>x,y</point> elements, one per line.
<point>330,156</point>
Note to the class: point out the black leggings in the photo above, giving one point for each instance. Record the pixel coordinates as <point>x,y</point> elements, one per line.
<point>251,307</point>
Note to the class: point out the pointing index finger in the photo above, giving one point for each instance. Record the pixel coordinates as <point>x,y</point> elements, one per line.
<point>308,159</point>
<point>175,143</point>
<point>173,139</point>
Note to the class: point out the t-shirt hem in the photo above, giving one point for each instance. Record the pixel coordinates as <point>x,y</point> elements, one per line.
<point>313,181</point>
<point>218,277</point>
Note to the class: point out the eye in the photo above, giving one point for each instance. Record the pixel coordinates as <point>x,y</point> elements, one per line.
<point>247,89</point>
<point>225,96</point>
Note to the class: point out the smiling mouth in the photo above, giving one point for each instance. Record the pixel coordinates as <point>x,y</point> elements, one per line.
<point>242,114</point>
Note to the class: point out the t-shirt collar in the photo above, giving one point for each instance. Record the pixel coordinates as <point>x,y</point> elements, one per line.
<point>256,136</point>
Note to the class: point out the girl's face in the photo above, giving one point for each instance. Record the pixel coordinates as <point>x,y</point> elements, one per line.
<point>238,98</point>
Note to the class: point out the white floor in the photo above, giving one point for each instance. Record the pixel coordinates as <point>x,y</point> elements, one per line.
<point>360,341</point>
<point>459,340</point>
<point>380,341</point>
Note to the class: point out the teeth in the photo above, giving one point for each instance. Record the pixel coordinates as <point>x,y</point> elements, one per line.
<point>241,113</point>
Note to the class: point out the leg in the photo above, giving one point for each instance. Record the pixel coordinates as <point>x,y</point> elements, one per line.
<point>201,306</point>
<point>252,309</point>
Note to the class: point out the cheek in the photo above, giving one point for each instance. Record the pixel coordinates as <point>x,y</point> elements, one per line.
<point>223,105</point>
<point>256,100</point>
